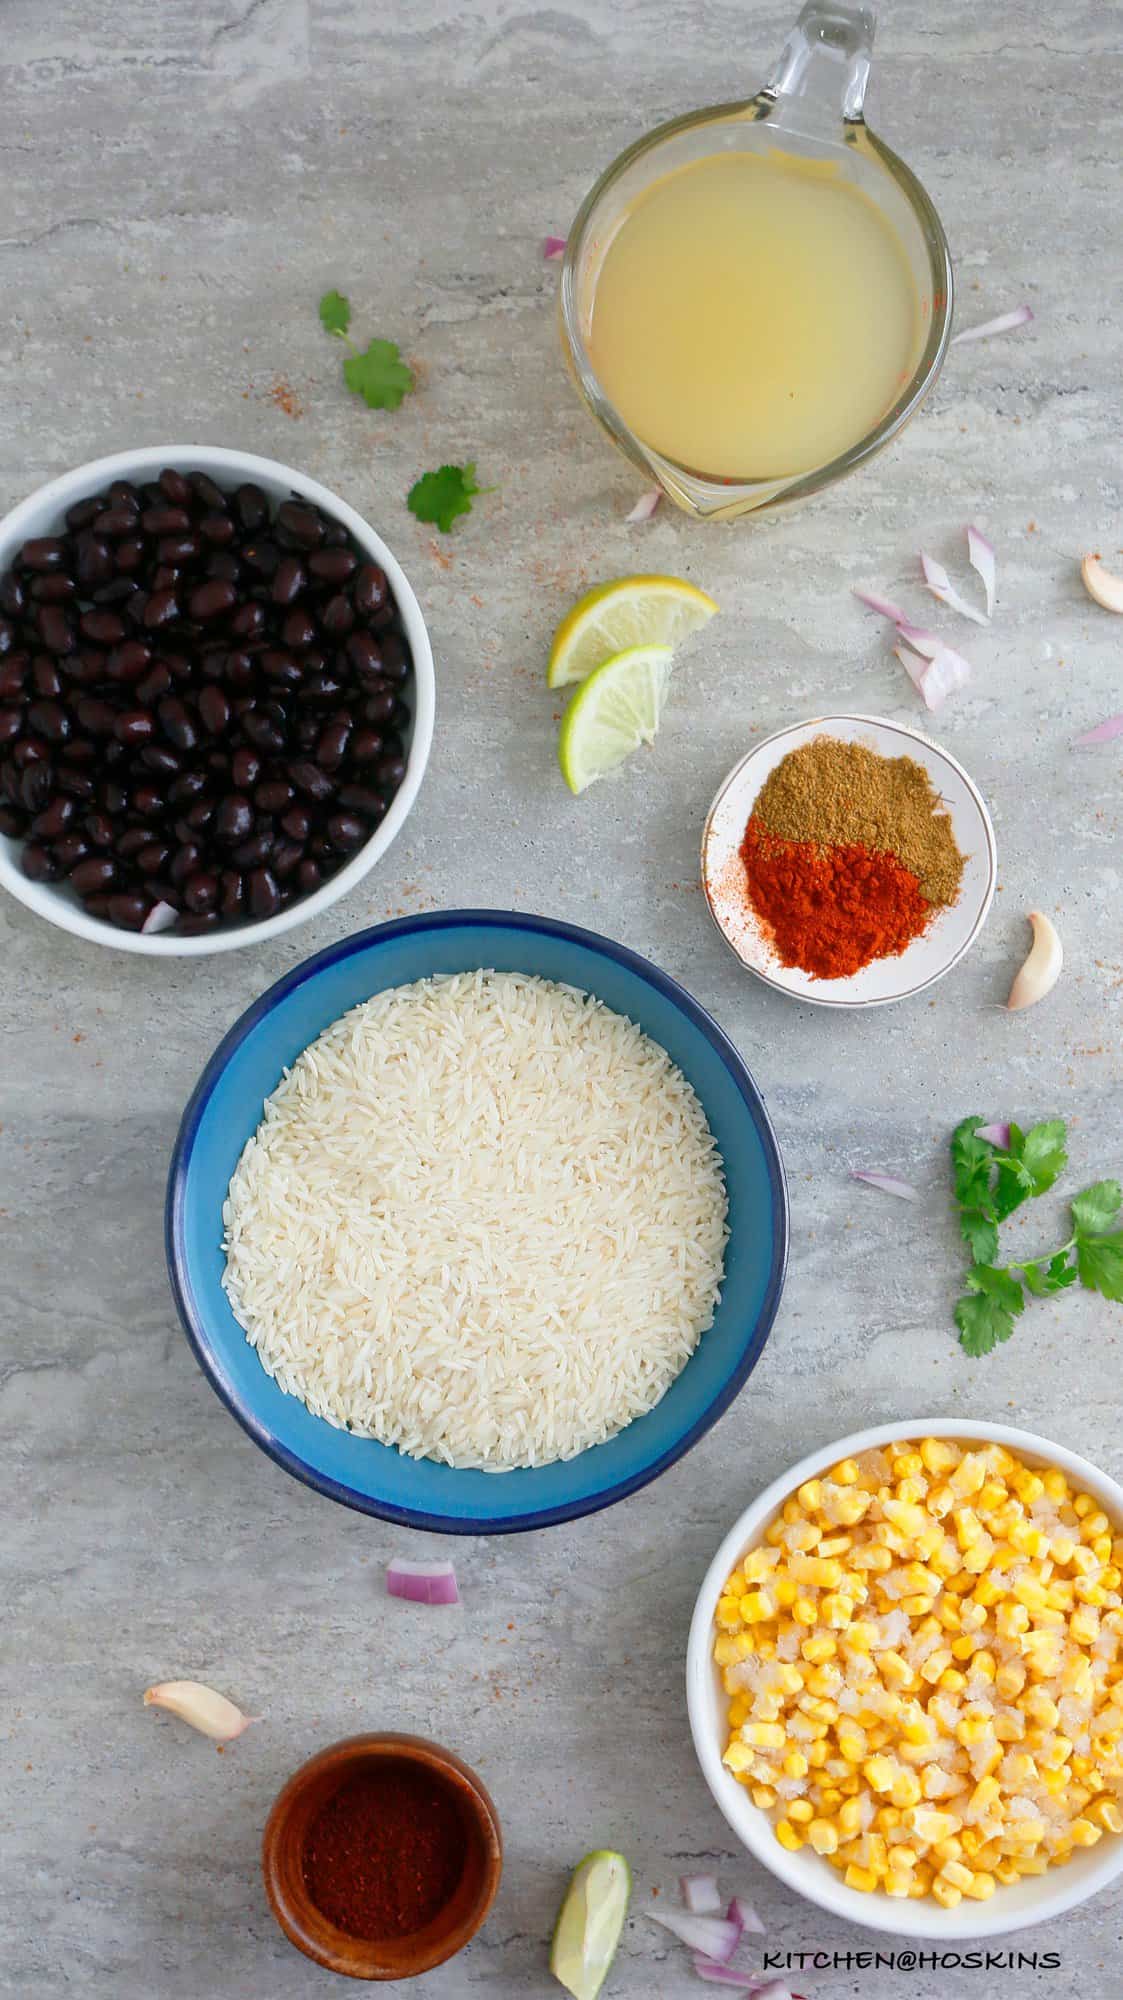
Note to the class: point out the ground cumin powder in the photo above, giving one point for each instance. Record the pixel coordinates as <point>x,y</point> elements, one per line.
<point>841,794</point>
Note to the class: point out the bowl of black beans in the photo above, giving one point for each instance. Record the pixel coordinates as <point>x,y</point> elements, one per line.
<point>216,699</point>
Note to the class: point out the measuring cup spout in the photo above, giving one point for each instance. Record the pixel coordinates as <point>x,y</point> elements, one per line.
<point>823,70</point>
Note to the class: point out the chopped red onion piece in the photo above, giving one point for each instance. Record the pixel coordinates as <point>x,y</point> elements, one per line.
<point>712,1937</point>
<point>553,249</point>
<point>980,555</point>
<point>645,506</point>
<point>700,1894</point>
<point>928,644</point>
<point>883,605</point>
<point>1005,323</point>
<point>887,1185</point>
<point>714,1973</point>
<point>740,1912</point>
<point>160,917</point>
<point>422,1582</point>
<point>1104,732</point>
<point>944,673</point>
<point>998,1135</point>
<point>940,584</point>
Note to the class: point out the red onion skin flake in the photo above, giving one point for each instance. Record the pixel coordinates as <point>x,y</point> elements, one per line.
<point>423,1583</point>
<point>1104,732</point>
<point>553,249</point>
<point>1005,323</point>
<point>885,1183</point>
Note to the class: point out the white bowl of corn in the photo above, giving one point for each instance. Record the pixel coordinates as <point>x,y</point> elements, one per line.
<point>905,1678</point>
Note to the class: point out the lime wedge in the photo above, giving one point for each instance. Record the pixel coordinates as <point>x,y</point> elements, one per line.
<point>590,1922</point>
<point>616,709</point>
<point>633,611</point>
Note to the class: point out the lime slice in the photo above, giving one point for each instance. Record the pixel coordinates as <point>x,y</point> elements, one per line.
<point>633,611</point>
<point>590,1922</point>
<point>616,709</point>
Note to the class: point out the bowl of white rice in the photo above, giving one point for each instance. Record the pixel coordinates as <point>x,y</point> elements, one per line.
<point>476,1222</point>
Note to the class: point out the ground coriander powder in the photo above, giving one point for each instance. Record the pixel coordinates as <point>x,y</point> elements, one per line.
<point>842,794</point>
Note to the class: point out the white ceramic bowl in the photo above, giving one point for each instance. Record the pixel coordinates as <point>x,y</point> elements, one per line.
<point>42,514</point>
<point>924,961</point>
<point>1032,1901</point>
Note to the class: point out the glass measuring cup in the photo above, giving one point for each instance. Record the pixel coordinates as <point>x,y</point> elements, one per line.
<point>811,109</point>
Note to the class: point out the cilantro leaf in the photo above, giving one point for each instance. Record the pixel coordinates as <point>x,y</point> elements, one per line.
<point>379,376</point>
<point>335,313</point>
<point>1099,1260</point>
<point>1049,1275</point>
<point>971,1160</point>
<point>1095,1210</point>
<point>1043,1153</point>
<point>980,1235</point>
<point>987,1313</point>
<point>443,495</point>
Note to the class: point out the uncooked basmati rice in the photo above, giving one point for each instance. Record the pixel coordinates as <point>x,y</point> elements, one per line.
<point>483,1219</point>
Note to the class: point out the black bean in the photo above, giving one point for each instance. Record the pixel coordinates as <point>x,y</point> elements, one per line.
<point>251,507</point>
<point>160,758</point>
<point>262,894</point>
<point>42,553</point>
<point>76,784</point>
<point>204,489</point>
<point>151,859</point>
<point>214,710</point>
<point>234,818</point>
<point>129,909</point>
<point>177,549</point>
<point>239,670</point>
<point>117,591</point>
<point>95,715</point>
<point>69,851</point>
<point>231,894</point>
<point>366,744</point>
<point>98,828</point>
<point>200,891</point>
<point>221,562</point>
<point>123,493</point>
<point>98,872</point>
<point>104,628</point>
<point>161,609</point>
<point>395,657</point>
<point>331,748</point>
<point>39,864</point>
<point>337,616</point>
<point>262,557</point>
<point>286,858</point>
<point>82,513</point>
<point>46,678</point>
<point>134,726</point>
<point>166,521</point>
<point>156,682</point>
<point>272,795</point>
<point>199,924</point>
<point>308,877</point>
<point>289,579</point>
<point>263,731</point>
<point>14,675</point>
<point>54,819</point>
<point>281,668</point>
<point>248,621</point>
<point>360,798</point>
<point>389,772</point>
<point>186,861</point>
<point>128,662</point>
<point>309,779</point>
<point>174,487</point>
<point>252,852</point>
<point>300,525</point>
<point>93,563</point>
<point>347,830</point>
<point>365,655</point>
<point>7,636</point>
<point>200,815</point>
<point>31,750</point>
<point>177,723</point>
<point>370,590</point>
<point>56,630</point>
<point>50,719</point>
<point>13,822</point>
<point>148,801</point>
<point>297,823</point>
<point>245,767</point>
<point>11,722</point>
<point>54,588</point>
<point>332,565</point>
<point>217,530</point>
<point>212,599</point>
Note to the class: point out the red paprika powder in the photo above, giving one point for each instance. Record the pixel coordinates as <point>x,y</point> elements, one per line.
<point>386,1853</point>
<point>831,909</point>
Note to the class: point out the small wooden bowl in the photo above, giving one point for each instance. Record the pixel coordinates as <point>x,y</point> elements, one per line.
<point>282,1860</point>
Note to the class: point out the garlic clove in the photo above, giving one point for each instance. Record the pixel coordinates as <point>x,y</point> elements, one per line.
<point>1101,585</point>
<point>202,1707</point>
<point>1042,968</point>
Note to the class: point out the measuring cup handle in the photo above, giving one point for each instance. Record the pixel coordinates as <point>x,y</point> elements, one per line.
<point>824,68</point>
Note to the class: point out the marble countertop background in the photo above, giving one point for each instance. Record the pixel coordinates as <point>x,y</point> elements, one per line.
<point>178,184</point>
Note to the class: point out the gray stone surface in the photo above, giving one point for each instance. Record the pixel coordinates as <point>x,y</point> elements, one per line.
<point>180,182</point>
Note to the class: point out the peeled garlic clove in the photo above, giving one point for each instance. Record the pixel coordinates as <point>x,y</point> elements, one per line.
<point>1042,968</point>
<point>201,1706</point>
<point>1101,585</point>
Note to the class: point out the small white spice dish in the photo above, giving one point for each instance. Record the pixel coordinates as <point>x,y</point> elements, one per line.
<point>1035,1899</point>
<point>952,931</point>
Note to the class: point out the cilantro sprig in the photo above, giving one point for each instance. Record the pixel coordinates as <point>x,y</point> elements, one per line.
<point>378,374</point>
<point>991,1181</point>
<point>442,496</point>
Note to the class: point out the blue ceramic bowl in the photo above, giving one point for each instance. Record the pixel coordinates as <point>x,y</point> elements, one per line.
<point>226,1108</point>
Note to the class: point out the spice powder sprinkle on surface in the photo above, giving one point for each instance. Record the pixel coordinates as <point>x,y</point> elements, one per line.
<point>842,794</point>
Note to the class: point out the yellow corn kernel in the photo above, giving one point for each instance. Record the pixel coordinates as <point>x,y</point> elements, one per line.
<point>740,1709</point>
<point>952,1681</point>
<point>1022,1770</point>
<point>1104,1812</point>
<point>973,1729</point>
<point>846,1472</point>
<point>1054,1483</point>
<point>800,1811</point>
<point>795,1764</point>
<point>850,1818</point>
<point>946,1893</point>
<point>1041,1706</point>
<point>1083,1560</point>
<point>983,1767</point>
<point>918,1606</point>
<point>956,1873</point>
<point>830,1798</point>
<point>818,1752</point>
<point>981,1886</point>
<point>895,1671</point>
<point>1011,1620</point>
<point>1023,1833</point>
<point>1082,1833</point>
<point>822,1836</point>
<point>785,1592</point>
<point>879,1772</point>
<point>1028,1486</point>
<point>950,1849</point>
<point>837,1610</point>
<point>764,1735</point>
<point>725,1650</point>
<point>936,1456</point>
<point>988,1592</point>
<point>905,1789</point>
<point>763,1796</point>
<point>1084,1625</point>
<point>1095,1524</point>
<point>1007,1872</point>
<point>738,1756</point>
<point>969,1474</point>
<point>852,1742</point>
<point>935,1664</point>
<point>767,1708</point>
<point>985,1796</point>
<point>1032,1864</point>
<point>835,1545</point>
<point>804,1612</point>
<point>728,1614</point>
<point>860,1878</point>
<point>825,1680</point>
<point>1010,1679</point>
<point>932,1826</point>
<point>788,1837</point>
<point>756,1606</point>
<point>860,1636</point>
